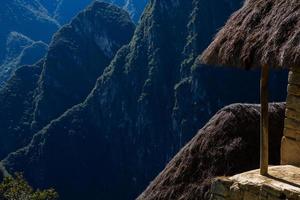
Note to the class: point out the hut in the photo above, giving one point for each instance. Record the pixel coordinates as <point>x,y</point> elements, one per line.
<point>265,34</point>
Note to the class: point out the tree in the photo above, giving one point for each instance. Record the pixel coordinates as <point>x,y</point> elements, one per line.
<point>17,188</point>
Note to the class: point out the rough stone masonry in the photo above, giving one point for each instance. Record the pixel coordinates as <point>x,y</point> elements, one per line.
<point>283,182</point>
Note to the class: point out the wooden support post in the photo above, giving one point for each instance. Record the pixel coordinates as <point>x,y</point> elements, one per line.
<point>264,121</point>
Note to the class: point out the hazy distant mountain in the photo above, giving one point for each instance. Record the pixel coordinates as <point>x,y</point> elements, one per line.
<point>134,7</point>
<point>20,50</point>
<point>23,20</point>
<point>64,10</point>
<point>27,17</point>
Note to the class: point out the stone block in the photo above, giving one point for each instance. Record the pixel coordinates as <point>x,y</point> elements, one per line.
<point>271,191</point>
<point>250,196</point>
<point>290,152</point>
<point>292,102</point>
<point>294,89</point>
<point>292,114</point>
<point>282,183</point>
<point>294,77</point>
<point>292,134</point>
<point>292,124</point>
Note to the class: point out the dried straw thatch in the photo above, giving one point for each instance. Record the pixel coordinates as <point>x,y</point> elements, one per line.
<point>261,32</point>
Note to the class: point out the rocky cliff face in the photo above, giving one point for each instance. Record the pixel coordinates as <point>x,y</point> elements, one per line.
<point>150,101</point>
<point>228,144</point>
<point>77,55</point>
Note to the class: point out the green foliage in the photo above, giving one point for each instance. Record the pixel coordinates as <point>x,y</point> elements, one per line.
<point>16,188</point>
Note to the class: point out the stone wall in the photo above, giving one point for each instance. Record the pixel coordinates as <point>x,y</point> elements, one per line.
<point>290,147</point>
<point>280,184</point>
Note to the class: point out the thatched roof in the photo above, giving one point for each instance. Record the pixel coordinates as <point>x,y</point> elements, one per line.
<point>218,149</point>
<point>261,32</point>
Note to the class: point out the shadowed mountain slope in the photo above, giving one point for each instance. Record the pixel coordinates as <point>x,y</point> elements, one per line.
<point>77,55</point>
<point>17,107</point>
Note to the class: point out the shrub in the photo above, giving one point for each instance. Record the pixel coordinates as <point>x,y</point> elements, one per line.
<point>17,188</point>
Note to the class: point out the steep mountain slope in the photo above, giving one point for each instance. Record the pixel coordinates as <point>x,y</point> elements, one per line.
<point>77,55</point>
<point>226,145</point>
<point>37,20</point>
<point>144,107</point>
<point>17,107</point>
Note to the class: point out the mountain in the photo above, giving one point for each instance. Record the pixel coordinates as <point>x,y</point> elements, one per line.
<point>77,55</point>
<point>37,20</point>
<point>17,107</point>
<point>23,20</point>
<point>228,144</point>
<point>134,7</point>
<point>150,100</point>
<point>20,50</point>
<point>64,10</point>
<point>23,17</point>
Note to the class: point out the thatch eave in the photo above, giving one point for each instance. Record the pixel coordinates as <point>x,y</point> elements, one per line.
<point>261,32</point>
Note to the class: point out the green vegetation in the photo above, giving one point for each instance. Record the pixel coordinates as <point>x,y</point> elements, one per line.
<point>16,188</point>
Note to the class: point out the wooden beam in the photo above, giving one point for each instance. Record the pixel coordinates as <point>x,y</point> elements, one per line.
<point>264,121</point>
